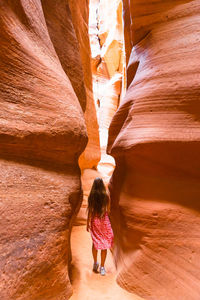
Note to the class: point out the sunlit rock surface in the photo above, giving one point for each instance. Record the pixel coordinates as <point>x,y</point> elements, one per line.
<point>106,36</point>
<point>42,133</point>
<point>155,139</point>
<point>80,16</point>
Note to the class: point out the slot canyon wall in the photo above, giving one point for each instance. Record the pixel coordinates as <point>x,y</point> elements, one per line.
<point>108,65</point>
<point>80,17</point>
<point>45,85</point>
<point>155,140</point>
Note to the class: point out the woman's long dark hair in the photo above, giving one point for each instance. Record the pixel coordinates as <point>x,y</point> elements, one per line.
<point>98,198</point>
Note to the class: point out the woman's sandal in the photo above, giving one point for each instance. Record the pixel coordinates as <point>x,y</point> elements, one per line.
<point>95,267</point>
<point>102,271</point>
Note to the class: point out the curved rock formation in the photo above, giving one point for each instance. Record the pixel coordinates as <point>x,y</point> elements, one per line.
<point>80,16</point>
<point>155,140</point>
<point>42,133</point>
<point>106,36</point>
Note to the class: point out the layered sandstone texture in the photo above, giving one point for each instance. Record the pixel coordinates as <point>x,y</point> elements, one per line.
<point>155,139</point>
<point>90,158</point>
<point>106,37</point>
<point>42,133</point>
<point>80,16</point>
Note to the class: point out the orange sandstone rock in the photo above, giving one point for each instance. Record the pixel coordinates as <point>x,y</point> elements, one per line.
<point>91,156</point>
<point>80,16</point>
<point>42,133</point>
<point>155,139</point>
<point>106,36</point>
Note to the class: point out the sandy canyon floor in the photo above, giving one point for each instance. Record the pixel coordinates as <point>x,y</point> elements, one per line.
<point>86,284</point>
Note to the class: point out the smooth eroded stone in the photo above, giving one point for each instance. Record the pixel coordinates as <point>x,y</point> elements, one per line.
<point>155,140</point>
<point>80,17</point>
<point>42,134</point>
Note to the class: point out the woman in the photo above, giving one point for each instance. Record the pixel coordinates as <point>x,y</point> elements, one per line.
<point>98,223</point>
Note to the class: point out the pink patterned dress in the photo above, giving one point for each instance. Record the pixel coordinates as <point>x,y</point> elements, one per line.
<point>101,232</point>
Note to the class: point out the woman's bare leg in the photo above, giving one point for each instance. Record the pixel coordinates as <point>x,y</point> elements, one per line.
<point>94,253</point>
<point>103,257</point>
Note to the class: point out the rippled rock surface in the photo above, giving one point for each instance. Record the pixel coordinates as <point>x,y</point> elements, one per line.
<point>155,139</point>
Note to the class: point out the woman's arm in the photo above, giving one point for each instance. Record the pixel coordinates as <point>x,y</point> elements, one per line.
<point>88,221</point>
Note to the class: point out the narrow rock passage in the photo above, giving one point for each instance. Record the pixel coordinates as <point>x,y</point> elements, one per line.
<point>86,284</point>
